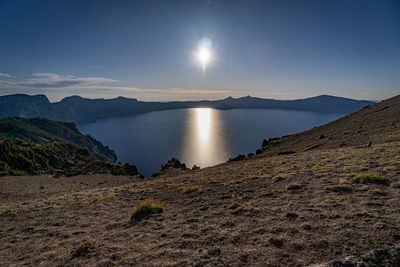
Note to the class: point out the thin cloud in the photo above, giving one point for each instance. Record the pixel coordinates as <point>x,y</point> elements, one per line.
<point>197,91</point>
<point>151,90</point>
<point>51,82</point>
<point>6,75</point>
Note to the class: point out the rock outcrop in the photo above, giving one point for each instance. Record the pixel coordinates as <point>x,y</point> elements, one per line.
<point>171,165</point>
<point>378,257</point>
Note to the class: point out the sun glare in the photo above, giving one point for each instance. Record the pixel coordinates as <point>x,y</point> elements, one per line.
<point>204,57</point>
<point>204,52</point>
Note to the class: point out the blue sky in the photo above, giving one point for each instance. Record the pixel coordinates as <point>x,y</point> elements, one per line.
<point>147,49</point>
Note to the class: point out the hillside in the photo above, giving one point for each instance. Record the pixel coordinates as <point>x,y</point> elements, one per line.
<point>83,110</point>
<point>378,123</point>
<point>321,203</point>
<point>18,157</point>
<point>40,131</point>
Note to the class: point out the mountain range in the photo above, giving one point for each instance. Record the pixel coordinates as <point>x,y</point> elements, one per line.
<point>83,110</point>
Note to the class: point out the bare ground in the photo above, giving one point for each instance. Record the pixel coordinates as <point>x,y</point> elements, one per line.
<point>269,211</point>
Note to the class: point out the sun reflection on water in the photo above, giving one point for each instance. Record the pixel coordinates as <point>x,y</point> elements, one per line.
<point>203,124</point>
<point>203,144</point>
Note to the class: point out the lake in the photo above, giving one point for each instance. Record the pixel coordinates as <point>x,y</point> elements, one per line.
<point>201,136</point>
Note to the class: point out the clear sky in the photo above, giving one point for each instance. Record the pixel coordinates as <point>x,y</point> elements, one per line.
<point>148,49</point>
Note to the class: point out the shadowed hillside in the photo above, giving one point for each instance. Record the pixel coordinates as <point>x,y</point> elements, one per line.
<point>39,130</point>
<point>41,146</point>
<point>18,157</point>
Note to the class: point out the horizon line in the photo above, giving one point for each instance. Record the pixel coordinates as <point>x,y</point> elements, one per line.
<point>167,101</point>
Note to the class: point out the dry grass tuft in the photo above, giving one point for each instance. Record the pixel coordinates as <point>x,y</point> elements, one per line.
<point>307,148</point>
<point>190,189</point>
<point>339,188</point>
<point>147,208</point>
<point>369,178</point>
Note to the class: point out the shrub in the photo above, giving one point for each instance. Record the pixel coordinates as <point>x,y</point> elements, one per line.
<point>291,215</point>
<point>395,185</point>
<point>234,205</point>
<point>293,187</point>
<point>18,172</point>
<point>371,203</point>
<point>369,178</point>
<point>376,192</point>
<point>363,214</point>
<point>237,211</point>
<point>237,158</point>
<point>117,170</point>
<point>276,241</point>
<point>243,256</point>
<point>147,208</point>
<point>214,251</point>
<point>85,249</point>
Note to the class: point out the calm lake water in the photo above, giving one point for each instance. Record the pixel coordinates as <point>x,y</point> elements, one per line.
<point>201,136</point>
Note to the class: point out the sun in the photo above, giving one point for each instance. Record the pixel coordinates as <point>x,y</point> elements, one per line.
<point>204,52</point>
<point>204,56</point>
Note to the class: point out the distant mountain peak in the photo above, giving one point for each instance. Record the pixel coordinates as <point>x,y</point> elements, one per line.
<point>125,98</point>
